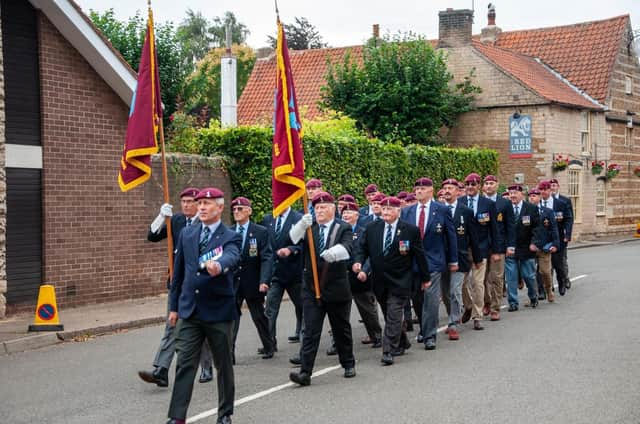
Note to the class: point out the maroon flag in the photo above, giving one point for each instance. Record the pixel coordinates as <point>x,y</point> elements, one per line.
<point>144,118</point>
<point>287,158</point>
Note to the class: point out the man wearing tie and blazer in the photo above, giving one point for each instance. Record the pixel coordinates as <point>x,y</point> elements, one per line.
<point>202,303</point>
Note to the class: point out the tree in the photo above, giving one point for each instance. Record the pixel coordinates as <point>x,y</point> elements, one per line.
<point>202,87</point>
<point>128,36</point>
<point>402,91</point>
<point>194,35</point>
<point>239,31</point>
<point>300,36</point>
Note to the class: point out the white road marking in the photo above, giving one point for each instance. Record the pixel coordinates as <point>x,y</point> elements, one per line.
<point>211,412</point>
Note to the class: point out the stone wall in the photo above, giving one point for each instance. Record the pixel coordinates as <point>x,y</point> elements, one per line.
<point>3,191</point>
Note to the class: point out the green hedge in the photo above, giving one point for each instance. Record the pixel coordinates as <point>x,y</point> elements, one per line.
<point>343,158</point>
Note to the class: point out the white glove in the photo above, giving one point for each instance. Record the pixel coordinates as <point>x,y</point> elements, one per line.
<point>335,254</point>
<point>296,233</point>
<point>166,210</point>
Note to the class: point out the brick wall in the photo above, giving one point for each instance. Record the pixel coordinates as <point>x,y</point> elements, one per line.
<point>94,239</point>
<point>3,191</point>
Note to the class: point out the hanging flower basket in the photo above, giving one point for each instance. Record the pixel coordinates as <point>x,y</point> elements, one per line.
<point>560,162</point>
<point>636,171</point>
<point>613,170</point>
<point>597,167</point>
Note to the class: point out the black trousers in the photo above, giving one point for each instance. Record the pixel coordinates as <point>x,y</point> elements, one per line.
<point>368,309</point>
<point>395,337</point>
<point>339,315</point>
<point>558,265</point>
<point>190,334</point>
<point>260,320</point>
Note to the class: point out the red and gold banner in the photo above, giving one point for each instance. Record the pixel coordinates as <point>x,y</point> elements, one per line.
<point>144,118</point>
<point>287,181</point>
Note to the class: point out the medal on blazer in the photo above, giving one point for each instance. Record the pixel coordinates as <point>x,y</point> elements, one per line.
<point>460,229</point>
<point>499,218</point>
<point>483,218</point>
<point>403,247</point>
<point>438,228</point>
<point>253,246</point>
<point>546,222</point>
<point>559,216</point>
<point>213,255</point>
<point>526,220</point>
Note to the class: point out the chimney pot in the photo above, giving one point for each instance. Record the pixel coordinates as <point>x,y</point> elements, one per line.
<point>376,31</point>
<point>454,29</point>
<point>490,33</point>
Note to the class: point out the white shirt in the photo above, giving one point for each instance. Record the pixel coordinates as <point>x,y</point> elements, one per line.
<point>475,198</point>
<point>519,206</point>
<point>326,230</point>
<point>494,197</point>
<point>452,212</point>
<point>284,216</point>
<point>547,203</point>
<point>427,207</point>
<point>244,232</point>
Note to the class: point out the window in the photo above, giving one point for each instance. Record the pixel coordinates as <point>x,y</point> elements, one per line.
<point>628,84</point>
<point>574,193</point>
<point>585,129</point>
<point>601,198</point>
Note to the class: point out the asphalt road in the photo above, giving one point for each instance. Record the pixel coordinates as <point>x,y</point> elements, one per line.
<point>575,361</point>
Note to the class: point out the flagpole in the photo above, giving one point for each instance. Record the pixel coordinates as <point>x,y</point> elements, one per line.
<point>165,176</point>
<point>312,250</point>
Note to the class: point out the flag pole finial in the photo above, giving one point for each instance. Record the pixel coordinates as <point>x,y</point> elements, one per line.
<point>277,11</point>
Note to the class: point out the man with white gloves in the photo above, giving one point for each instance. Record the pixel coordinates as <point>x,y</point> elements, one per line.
<point>333,243</point>
<point>158,232</point>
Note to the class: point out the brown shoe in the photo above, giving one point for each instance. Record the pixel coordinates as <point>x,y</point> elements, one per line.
<point>486,310</point>
<point>495,316</point>
<point>551,297</point>
<point>466,316</point>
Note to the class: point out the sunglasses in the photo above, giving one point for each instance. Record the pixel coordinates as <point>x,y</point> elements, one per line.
<point>237,208</point>
<point>471,184</point>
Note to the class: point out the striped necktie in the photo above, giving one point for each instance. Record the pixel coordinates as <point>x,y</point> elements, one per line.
<point>387,240</point>
<point>321,241</point>
<point>241,232</point>
<point>204,239</point>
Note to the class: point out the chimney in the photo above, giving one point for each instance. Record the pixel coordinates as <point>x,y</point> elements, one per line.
<point>490,33</point>
<point>376,31</point>
<point>228,82</point>
<point>455,28</point>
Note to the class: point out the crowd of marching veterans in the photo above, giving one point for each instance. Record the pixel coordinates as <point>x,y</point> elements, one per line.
<point>465,244</point>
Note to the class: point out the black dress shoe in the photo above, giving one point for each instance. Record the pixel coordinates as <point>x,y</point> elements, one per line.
<point>542,296</point>
<point>295,360</point>
<point>293,339</point>
<point>397,352</point>
<point>302,378</point>
<point>377,343</point>
<point>562,290</point>
<point>176,421</point>
<point>268,355</point>
<point>349,372</point>
<point>405,345</point>
<point>206,375</point>
<point>513,308</point>
<point>534,303</point>
<point>567,283</point>
<point>159,377</point>
<point>429,344</point>
<point>224,420</point>
<point>261,350</point>
<point>466,316</point>
<point>332,351</point>
<point>387,359</point>
<point>409,326</point>
<point>419,338</point>
<point>477,325</point>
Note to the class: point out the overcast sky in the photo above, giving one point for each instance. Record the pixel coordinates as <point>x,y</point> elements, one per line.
<point>349,22</point>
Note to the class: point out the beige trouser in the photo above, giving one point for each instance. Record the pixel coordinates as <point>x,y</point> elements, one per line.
<point>473,289</point>
<point>494,284</point>
<point>544,268</point>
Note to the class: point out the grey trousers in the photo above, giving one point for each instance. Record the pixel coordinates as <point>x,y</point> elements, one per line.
<point>430,307</point>
<point>167,349</point>
<point>191,334</point>
<point>393,308</point>
<point>272,306</point>
<point>368,309</point>
<point>452,295</point>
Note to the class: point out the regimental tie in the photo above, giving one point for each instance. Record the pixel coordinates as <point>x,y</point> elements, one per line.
<point>279,225</point>
<point>516,211</point>
<point>321,241</point>
<point>189,221</point>
<point>204,239</point>
<point>421,219</point>
<point>451,210</point>
<point>241,232</point>
<point>387,240</point>
<point>544,203</point>
<point>471,199</point>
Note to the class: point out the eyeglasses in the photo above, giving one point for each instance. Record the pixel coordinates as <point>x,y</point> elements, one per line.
<point>237,208</point>
<point>471,183</point>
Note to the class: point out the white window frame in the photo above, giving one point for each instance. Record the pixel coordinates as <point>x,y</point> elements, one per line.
<point>585,132</point>
<point>601,197</point>
<point>628,84</point>
<point>574,190</point>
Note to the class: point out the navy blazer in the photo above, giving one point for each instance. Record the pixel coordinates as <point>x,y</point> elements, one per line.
<point>440,243</point>
<point>549,232</point>
<point>286,271</point>
<point>467,242</point>
<point>178,223</point>
<point>485,225</point>
<point>194,292</point>
<point>358,286</point>
<point>392,272</point>
<point>528,231</point>
<point>564,217</point>
<point>505,226</point>
<point>256,262</point>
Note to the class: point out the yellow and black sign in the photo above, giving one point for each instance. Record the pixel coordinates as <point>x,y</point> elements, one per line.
<point>46,317</point>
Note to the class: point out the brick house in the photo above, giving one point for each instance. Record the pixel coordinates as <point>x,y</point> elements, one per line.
<point>578,83</point>
<point>64,102</point>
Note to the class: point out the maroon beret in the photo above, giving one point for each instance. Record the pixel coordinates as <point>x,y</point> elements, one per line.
<point>189,191</point>
<point>423,182</point>
<point>314,183</point>
<point>371,188</point>
<point>472,178</point>
<point>350,206</point>
<point>391,201</point>
<point>505,194</point>
<point>491,178</point>
<point>440,192</point>
<point>515,187</point>
<point>451,181</point>
<point>534,191</point>
<point>241,201</point>
<point>554,181</point>
<point>402,195</point>
<point>544,185</point>
<point>378,197</point>
<point>322,197</point>
<point>347,198</point>
<point>210,193</point>
<point>460,185</point>
<point>410,197</point>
